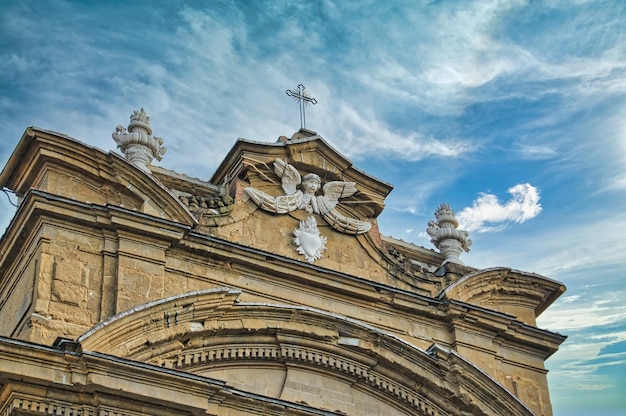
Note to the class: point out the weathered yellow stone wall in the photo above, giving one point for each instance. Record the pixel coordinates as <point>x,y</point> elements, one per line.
<point>274,233</point>
<point>72,274</point>
<point>84,275</point>
<point>18,293</point>
<point>68,283</point>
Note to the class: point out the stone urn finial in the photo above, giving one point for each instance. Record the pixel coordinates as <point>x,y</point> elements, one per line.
<point>138,144</point>
<point>445,236</point>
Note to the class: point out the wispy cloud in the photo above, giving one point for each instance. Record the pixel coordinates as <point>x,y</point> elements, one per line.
<point>570,299</point>
<point>536,151</point>
<point>433,97</point>
<point>595,350</point>
<point>365,135</point>
<point>577,315</point>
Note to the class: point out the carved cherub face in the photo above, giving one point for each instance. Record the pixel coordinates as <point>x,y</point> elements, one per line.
<point>311,183</point>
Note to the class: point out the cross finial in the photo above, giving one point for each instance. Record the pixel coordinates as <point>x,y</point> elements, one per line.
<point>303,99</point>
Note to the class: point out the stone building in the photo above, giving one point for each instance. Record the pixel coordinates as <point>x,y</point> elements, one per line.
<point>130,289</point>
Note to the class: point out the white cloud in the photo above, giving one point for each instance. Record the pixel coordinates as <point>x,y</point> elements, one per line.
<point>536,152</point>
<point>570,299</point>
<point>487,214</point>
<point>579,315</point>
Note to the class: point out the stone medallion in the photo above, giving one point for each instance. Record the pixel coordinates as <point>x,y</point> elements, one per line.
<point>308,240</point>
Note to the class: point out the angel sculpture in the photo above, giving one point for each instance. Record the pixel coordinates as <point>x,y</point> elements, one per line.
<point>306,199</point>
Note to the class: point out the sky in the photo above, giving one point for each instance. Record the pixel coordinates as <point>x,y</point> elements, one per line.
<point>513,112</point>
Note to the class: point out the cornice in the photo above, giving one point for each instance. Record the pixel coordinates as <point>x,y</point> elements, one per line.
<point>39,150</point>
<point>295,147</point>
<point>502,285</point>
<point>251,260</point>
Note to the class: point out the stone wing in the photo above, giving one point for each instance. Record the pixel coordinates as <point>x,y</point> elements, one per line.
<point>288,175</point>
<point>338,189</point>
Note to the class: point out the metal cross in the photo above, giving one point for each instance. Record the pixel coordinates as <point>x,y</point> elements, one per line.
<point>303,99</point>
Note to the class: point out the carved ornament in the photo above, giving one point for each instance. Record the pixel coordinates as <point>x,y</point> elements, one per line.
<point>445,236</point>
<point>138,144</point>
<point>308,240</point>
<point>307,200</point>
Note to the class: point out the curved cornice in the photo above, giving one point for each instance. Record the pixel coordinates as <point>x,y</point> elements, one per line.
<point>499,286</point>
<point>209,327</point>
<point>103,384</point>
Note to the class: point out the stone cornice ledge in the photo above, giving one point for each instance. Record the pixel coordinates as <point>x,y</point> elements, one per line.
<point>502,284</point>
<point>102,374</point>
<point>277,265</point>
<point>256,260</point>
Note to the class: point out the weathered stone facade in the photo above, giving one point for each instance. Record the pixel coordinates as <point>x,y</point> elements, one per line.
<point>130,289</point>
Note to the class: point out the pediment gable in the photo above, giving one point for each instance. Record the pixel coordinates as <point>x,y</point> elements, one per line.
<point>252,162</point>
<point>301,198</point>
<point>59,165</point>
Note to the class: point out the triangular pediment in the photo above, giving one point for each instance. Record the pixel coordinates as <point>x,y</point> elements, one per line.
<point>253,162</point>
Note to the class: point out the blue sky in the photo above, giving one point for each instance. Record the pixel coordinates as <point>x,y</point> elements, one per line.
<point>513,112</point>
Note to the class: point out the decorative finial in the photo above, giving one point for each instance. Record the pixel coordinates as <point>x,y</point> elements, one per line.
<point>445,236</point>
<point>138,144</point>
<point>303,99</point>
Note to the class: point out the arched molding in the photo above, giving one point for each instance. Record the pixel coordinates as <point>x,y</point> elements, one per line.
<point>211,329</point>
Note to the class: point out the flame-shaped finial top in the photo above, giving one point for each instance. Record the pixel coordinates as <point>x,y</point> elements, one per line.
<point>138,144</point>
<point>445,236</point>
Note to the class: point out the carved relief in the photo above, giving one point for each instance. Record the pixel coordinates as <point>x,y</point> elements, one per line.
<point>308,240</point>
<point>307,200</point>
<point>212,205</point>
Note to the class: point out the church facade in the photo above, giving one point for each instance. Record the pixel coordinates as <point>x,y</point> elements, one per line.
<point>130,289</point>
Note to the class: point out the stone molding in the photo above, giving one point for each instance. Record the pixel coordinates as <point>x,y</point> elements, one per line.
<point>210,325</point>
<point>503,287</point>
<point>40,380</point>
<point>22,404</point>
<point>365,375</point>
<point>108,176</point>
